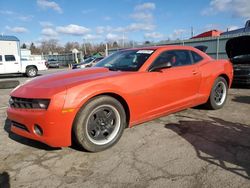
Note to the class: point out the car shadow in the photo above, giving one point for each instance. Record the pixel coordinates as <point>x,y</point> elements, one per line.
<point>200,107</point>
<point>26,141</point>
<point>218,142</point>
<point>11,76</point>
<point>242,99</point>
<point>5,76</point>
<point>4,180</point>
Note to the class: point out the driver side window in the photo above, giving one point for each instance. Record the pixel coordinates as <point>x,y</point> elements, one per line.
<point>175,57</point>
<point>163,58</point>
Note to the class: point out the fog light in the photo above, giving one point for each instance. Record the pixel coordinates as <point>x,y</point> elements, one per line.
<point>38,130</point>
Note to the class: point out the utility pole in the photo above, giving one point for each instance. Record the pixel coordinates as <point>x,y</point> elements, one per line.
<point>123,38</point>
<point>192,31</point>
<point>106,50</point>
<point>84,46</point>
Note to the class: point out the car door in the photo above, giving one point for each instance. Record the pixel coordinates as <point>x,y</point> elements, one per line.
<point>173,88</point>
<point>11,64</point>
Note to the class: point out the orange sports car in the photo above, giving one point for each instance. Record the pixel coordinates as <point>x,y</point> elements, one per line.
<point>94,105</point>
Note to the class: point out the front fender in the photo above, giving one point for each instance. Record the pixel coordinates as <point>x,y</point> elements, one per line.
<point>78,96</point>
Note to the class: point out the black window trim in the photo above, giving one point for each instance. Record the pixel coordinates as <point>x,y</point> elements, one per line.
<point>189,52</point>
<point>11,60</point>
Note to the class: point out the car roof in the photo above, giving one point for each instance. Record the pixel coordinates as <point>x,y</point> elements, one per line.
<point>172,47</point>
<point>162,47</point>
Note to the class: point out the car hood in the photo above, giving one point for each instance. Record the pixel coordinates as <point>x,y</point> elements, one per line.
<point>238,46</point>
<point>48,85</point>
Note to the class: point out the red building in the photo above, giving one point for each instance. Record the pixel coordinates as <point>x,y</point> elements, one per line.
<point>211,33</point>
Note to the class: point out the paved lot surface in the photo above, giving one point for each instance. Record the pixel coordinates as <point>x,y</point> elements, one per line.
<point>192,148</point>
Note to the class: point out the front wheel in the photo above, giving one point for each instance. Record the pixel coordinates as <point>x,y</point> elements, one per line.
<point>99,124</point>
<point>31,71</point>
<point>218,94</point>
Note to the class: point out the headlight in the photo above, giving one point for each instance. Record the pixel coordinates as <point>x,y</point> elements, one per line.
<point>24,103</point>
<point>11,101</point>
<point>43,103</point>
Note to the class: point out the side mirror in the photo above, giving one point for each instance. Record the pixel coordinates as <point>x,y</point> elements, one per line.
<point>160,66</point>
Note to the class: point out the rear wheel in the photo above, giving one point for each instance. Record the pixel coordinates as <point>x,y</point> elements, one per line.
<point>31,71</point>
<point>218,94</point>
<point>99,124</point>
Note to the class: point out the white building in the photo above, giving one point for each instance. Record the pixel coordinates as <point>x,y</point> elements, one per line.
<point>26,54</point>
<point>9,45</point>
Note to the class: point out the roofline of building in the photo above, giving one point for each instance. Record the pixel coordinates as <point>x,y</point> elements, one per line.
<point>8,38</point>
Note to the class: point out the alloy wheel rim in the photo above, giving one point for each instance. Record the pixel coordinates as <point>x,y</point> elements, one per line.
<point>32,72</point>
<point>220,92</point>
<point>103,124</point>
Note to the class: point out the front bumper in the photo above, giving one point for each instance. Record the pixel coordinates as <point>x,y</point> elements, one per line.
<point>56,125</point>
<point>53,65</point>
<point>241,80</point>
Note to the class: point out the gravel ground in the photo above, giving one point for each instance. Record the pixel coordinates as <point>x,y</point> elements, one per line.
<point>192,148</point>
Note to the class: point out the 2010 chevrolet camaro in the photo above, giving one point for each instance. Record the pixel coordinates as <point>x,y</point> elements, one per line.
<point>129,87</point>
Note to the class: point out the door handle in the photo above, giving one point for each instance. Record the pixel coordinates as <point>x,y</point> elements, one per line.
<point>1,64</point>
<point>15,63</point>
<point>194,72</point>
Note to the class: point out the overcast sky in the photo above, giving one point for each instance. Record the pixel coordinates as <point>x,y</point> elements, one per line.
<point>110,20</point>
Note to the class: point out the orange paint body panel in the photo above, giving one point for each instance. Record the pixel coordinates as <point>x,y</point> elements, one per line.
<point>148,95</point>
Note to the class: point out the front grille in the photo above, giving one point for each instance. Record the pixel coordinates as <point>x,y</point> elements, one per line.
<point>241,72</point>
<point>24,103</point>
<point>20,126</point>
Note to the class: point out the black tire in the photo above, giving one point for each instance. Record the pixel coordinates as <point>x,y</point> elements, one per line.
<point>218,94</point>
<point>31,71</point>
<point>94,128</point>
<point>8,84</point>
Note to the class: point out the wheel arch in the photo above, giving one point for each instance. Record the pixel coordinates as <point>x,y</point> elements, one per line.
<point>226,77</point>
<point>121,100</point>
<point>31,66</point>
<point>223,75</point>
<point>209,104</point>
<point>111,94</point>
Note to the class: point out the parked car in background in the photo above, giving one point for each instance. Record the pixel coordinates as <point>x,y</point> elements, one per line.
<point>94,105</point>
<point>89,62</point>
<point>52,63</point>
<point>239,53</point>
<point>11,62</point>
<point>96,61</point>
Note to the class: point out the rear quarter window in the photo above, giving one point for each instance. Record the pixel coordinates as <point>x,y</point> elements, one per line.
<point>196,57</point>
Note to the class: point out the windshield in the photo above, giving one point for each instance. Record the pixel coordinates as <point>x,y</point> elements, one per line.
<point>88,60</point>
<point>128,60</point>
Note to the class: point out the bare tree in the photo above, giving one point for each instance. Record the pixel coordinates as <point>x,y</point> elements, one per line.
<point>34,49</point>
<point>50,46</point>
<point>115,45</point>
<point>69,46</point>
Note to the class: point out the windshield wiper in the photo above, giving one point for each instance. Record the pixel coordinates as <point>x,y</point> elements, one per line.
<point>112,68</point>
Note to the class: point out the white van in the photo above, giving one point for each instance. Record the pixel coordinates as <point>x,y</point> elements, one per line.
<point>10,60</point>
